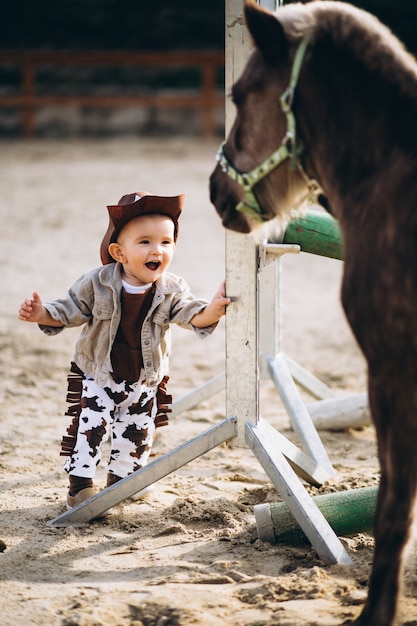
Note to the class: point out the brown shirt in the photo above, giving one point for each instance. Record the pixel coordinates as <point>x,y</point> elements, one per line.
<point>126,355</point>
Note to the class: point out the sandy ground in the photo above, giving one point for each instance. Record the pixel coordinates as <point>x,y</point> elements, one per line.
<point>189,554</point>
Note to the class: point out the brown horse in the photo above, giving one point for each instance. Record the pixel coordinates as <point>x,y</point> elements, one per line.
<point>330,95</point>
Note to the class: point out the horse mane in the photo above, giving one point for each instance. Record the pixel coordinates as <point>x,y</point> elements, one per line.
<point>355,31</point>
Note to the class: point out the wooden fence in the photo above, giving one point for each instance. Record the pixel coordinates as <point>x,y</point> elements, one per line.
<point>206,97</point>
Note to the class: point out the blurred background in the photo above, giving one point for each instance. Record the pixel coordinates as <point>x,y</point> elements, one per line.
<point>115,67</point>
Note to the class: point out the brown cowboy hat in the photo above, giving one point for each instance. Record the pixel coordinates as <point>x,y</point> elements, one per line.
<point>133,205</point>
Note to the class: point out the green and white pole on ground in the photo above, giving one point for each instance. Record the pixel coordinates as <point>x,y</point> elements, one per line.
<point>348,512</point>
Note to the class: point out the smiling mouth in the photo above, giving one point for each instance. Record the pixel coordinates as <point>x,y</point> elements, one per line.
<point>153,265</point>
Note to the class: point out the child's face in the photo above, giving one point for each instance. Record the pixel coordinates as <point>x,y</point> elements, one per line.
<point>145,247</point>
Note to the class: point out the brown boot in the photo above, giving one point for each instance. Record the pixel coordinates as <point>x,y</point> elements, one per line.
<point>140,495</point>
<point>79,497</point>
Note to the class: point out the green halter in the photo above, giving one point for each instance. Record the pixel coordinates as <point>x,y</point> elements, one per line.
<point>289,148</point>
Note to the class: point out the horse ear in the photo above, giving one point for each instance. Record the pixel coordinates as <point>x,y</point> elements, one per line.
<point>267,32</point>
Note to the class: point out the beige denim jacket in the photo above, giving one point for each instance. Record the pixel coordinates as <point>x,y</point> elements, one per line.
<point>94,300</point>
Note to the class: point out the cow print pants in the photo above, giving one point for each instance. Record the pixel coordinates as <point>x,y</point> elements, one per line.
<point>124,411</point>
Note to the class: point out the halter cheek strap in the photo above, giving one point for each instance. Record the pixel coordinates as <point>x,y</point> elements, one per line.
<point>289,148</point>
<point>247,181</point>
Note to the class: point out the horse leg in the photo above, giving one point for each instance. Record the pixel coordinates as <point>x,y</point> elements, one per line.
<point>394,414</point>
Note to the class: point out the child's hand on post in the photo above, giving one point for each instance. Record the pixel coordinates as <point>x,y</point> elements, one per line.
<point>220,301</point>
<point>213,311</point>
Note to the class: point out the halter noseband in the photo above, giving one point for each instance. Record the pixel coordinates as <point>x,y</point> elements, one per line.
<point>289,148</point>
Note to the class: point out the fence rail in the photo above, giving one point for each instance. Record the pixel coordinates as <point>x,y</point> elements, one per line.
<point>207,98</point>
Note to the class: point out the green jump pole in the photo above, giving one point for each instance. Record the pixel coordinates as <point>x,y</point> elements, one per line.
<point>348,512</point>
<point>316,232</point>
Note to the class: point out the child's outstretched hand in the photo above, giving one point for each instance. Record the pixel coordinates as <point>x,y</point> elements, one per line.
<point>31,310</point>
<point>213,311</point>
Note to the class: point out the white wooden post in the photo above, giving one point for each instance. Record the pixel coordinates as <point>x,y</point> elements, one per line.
<point>241,264</point>
<point>270,315</point>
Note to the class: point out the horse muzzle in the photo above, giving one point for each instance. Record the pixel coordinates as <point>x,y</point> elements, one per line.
<point>225,200</point>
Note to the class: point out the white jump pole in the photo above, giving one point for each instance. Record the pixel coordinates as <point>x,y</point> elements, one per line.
<point>242,379</point>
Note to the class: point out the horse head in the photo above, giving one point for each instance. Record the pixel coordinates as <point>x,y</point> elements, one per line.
<point>311,105</point>
<point>259,173</point>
